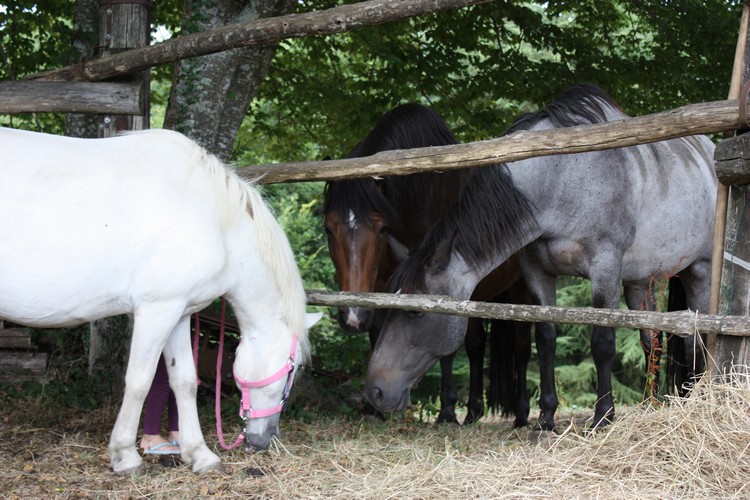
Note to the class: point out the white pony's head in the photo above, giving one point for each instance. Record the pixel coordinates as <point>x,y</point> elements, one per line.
<point>274,324</point>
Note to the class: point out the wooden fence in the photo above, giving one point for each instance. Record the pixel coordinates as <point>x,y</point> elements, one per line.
<point>721,116</point>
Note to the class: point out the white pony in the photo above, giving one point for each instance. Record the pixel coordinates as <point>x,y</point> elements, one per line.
<point>151,225</point>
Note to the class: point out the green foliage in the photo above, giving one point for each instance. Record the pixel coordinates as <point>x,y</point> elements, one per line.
<point>33,39</point>
<point>481,66</point>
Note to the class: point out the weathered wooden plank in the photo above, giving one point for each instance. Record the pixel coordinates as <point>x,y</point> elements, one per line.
<point>15,338</point>
<point>733,160</point>
<point>71,97</point>
<point>22,365</point>
<point>693,119</point>
<point>122,26</point>
<point>681,323</point>
<point>125,26</point>
<point>734,295</point>
<point>723,351</point>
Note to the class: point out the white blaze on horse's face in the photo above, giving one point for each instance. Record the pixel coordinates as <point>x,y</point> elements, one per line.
<point>351,221</point>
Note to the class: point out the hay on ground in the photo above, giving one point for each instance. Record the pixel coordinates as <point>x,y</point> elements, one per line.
<point>697,447</point>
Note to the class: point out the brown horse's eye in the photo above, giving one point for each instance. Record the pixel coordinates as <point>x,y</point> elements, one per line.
<point>384,230</point>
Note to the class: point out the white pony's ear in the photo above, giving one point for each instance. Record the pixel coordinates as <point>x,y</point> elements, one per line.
<point>312,318</point>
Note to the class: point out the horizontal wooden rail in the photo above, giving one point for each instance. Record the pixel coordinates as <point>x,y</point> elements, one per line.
<point>683,323</point>
<point>339,19</point>
<point>692,119</point>
<point>71,97</point>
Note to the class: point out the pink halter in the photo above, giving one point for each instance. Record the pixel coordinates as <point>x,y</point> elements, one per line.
<point>246,409</point>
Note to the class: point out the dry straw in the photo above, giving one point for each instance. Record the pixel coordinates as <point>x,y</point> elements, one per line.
<point>698,447</point>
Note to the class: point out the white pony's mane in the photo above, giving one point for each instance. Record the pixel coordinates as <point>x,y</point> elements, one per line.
<point>235,197</point>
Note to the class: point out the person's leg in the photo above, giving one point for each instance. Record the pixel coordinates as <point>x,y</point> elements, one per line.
<point>156,401</point>
<point>174,419</point>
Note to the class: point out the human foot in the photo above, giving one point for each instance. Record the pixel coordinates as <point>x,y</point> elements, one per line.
<point>157,445</point>
<point>174,436</point>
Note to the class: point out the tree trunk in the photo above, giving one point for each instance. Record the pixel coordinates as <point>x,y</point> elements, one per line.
<point>86,27</point>
<point>210,94</point>
<point>122,26</point>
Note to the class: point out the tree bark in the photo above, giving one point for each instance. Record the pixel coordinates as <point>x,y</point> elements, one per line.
<point>86,27</point>
<point>210,95</point>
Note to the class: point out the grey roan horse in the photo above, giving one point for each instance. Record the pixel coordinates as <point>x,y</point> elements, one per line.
<point>617,217</point>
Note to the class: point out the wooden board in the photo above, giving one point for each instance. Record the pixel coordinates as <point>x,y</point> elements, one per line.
<point>15,338</point>
<point>734,296</point>
<point>22,365</point>
<point>733,160</point>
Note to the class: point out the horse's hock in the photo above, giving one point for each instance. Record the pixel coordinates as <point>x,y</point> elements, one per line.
<point>18,360</point>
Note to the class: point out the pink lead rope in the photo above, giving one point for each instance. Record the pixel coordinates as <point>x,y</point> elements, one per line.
<point>246,410</point>
<point>217,407</point>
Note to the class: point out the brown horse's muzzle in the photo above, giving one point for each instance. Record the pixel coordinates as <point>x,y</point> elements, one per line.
<point>355,319</point>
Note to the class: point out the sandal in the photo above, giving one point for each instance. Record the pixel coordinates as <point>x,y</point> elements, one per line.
<point>157,450</point>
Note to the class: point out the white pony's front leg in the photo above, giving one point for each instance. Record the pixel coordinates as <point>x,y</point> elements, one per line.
<point>184,383</point>
<point>150,329</point>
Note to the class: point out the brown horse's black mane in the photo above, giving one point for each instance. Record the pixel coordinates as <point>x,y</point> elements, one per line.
<point>399,199</point>
<point>491,213</point>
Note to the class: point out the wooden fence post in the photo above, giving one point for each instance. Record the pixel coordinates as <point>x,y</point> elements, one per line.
<point>730,289</point>
<point>124,25</point>
<point>735,279</point>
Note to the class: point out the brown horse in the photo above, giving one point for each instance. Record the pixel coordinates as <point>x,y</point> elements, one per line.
<point>372,224</point>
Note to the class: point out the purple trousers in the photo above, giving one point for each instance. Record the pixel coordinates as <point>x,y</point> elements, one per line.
<point>160,396</point>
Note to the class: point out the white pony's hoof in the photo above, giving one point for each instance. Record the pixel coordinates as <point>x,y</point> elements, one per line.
<point>210,464</point>
<point>125,463</point>
<point>215,467</point>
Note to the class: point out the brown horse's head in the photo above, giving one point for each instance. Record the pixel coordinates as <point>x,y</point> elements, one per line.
<point>370,223</point>
<point>358,235</point>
